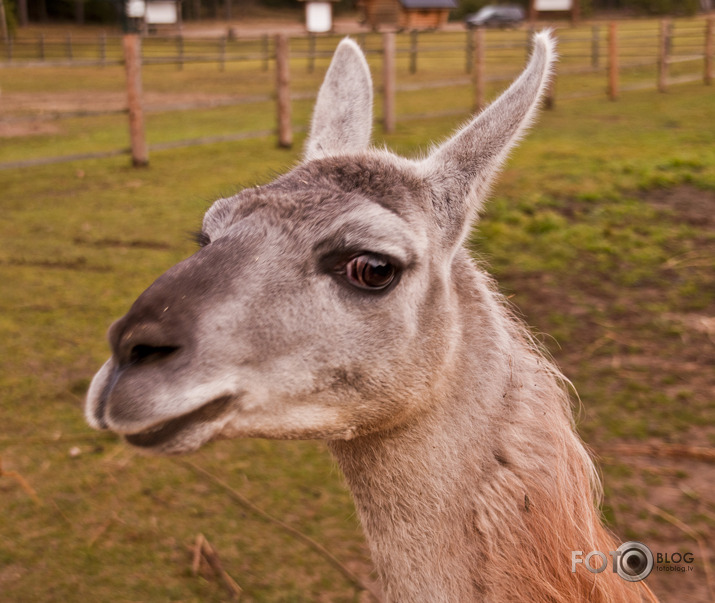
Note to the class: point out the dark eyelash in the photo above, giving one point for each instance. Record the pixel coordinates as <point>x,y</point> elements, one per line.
<point>201,238</point>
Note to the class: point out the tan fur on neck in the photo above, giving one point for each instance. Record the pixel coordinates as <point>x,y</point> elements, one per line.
<point>485,494</point>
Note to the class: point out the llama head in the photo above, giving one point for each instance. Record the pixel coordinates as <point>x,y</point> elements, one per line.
<point>322,304</point>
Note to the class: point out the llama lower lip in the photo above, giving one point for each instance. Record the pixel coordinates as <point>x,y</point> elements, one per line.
<point>166,431</point>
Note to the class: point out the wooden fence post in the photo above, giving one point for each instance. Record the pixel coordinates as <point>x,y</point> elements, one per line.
<point>41,46</point>
<point>469,62</point>
<point>285,131</point>
<point>478,79</point>
<point>180,52</point>
<point>132,63</point>
<point>266,51</point>
<point>103,48</point>
<point>311,52</point>
<point>595,47</point>
<point>613,60</point>
<point>3,23</point>
<point>708,68</point>
<point>413,51</point>
<point>388,81</point>
<point>549,93</point>
<point>663,48</point>
<point>529,43</point>
<point>68,42</point>
<point>222,61</point>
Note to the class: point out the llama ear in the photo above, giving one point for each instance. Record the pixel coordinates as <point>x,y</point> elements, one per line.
<point>342,118</point>
<point>462,169</point>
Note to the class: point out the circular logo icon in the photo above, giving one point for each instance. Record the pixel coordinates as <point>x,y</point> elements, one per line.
<point>635,561</point>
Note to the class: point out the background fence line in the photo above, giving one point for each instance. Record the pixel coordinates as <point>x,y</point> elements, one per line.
<point>487,59</point>
<point>69,50</point>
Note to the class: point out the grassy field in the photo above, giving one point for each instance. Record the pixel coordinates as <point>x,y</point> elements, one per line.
<point>600,231</point>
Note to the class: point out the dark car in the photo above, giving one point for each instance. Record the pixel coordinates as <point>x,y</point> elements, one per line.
<point>496,16</point>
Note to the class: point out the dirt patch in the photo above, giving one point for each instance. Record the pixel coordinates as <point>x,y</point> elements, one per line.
<point>12,573</point>
<point>687,203</point>
<point>672,513</point>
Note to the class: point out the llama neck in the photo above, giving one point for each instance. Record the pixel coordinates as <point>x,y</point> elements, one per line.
<point>484,495</point>
<point>434,498</point>
<point>408,489</point>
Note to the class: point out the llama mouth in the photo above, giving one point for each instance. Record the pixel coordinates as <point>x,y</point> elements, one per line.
<point>166,431</point>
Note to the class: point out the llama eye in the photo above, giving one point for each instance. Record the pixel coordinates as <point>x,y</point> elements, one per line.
<point>372,272</point>
<point>201,238</point>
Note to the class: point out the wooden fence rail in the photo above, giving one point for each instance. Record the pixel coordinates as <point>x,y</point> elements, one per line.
<point>44,50</point>
<point>488,58</point>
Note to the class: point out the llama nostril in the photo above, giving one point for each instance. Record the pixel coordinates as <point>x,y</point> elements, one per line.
<point>155,328</point>
<point>143,354</point>
<point>142,342</point>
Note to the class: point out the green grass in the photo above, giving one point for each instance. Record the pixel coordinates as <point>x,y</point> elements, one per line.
<point>575,233</point>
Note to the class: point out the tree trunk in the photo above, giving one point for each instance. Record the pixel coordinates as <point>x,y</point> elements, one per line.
<point>79,12</point>
<point>42,9</point>
<point>22,18</point>
<point>3,22</point>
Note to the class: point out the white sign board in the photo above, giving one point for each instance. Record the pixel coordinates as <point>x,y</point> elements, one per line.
<point>162,12</point>
<point>318,17</point>
<point>135,9</point>
<point>553,5</point>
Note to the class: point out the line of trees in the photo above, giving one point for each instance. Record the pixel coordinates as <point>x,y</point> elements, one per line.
<point>23,12</point>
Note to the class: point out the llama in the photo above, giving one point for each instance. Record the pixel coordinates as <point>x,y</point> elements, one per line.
<point>338,302</point>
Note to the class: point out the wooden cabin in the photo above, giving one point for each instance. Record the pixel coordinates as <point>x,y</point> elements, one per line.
<point>406,14</point>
